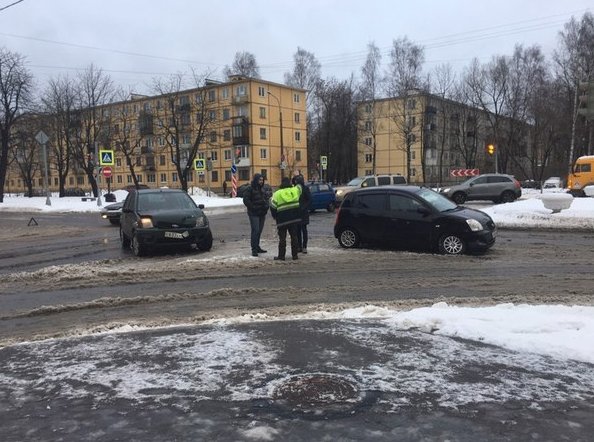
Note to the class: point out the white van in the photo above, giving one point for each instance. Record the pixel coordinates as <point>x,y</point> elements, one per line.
<point>368,181</point>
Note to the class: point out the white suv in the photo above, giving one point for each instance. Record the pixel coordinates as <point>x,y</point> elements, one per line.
<point>368,181</point>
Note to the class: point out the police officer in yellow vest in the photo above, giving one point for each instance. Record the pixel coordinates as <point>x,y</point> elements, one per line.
<point>284,207</point>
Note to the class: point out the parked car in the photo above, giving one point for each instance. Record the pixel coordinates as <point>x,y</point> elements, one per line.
<point>74,191</point>
<point>322,196</point>
<point>411,217</point>
<point>163,218</point>
<point>368,181</point>
<point>112,212</point>
<point>496,187</point>
<point>530,184</point>
<point>553,182</point>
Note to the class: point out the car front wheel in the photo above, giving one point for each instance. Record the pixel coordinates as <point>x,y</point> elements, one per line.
<point>451,244</point>
<point>459,198</point>
<point>124,239</point>
<point>331,207</point>
<point>348,238</point>
<point>206,243</point>
<point>137,248</point>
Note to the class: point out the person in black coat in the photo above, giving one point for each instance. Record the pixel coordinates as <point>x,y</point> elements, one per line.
<point>304,203</point>
<point>257,207</point>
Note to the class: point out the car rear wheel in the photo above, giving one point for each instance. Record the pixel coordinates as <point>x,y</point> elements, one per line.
<point>348,238</point>
<point>206,243</point>
<point>459,197</point>
<point>331,207</point>
<point>451,244</point>
<point>507,197</point>
<point>124,239</point>
<point>137,248</point>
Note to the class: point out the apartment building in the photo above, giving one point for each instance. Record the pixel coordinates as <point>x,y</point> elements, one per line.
<point>244,125</point>
<point>422,137</point>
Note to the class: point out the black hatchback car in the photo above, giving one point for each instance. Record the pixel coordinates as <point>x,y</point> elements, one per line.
<point>411,217</point>
<point>163,218</point>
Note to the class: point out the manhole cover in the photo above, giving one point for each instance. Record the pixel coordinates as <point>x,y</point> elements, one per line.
<point>317,392</point>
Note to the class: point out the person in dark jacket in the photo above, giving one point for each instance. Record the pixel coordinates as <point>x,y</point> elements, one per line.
<point>257,208</point>
<point>304,203</point>
<point>284,207</point>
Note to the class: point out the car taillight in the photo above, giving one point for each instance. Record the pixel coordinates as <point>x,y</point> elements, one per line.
<point>337,215</point>
<point>517,184</point>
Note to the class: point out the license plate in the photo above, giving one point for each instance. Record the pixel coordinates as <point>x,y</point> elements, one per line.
<point>174,235</point>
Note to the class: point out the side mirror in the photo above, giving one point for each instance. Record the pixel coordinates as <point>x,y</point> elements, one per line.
<point>424,211</point>
<point>201,206</point>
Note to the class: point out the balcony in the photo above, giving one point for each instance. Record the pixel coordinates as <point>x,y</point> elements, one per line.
<point>240,131</point>
<point>145,123</point>
<point>240,99</point>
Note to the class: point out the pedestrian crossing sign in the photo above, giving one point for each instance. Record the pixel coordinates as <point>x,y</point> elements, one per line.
<point>106,158</point>
<point>199,164</point>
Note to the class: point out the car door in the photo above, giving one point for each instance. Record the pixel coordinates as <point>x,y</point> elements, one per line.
<point>368,215</point>
<point>409,223</point>
<point>498,184</point>
<point>479,188</point>
<point>128,217</point>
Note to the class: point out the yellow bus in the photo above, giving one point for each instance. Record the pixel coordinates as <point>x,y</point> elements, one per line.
<point>582,175</point>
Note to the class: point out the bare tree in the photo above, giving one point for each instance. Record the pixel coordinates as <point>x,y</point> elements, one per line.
<point>245,64</point>
<point>59,103</point>
<point>15,92</point>
<point>182,139</point>
<point>371,84</point>
<point>404,77</point>
<point>92,127</point>
<point>575,62</point>
<point>25,155</point>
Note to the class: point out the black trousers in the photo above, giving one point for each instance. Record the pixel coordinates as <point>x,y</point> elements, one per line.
<point>282,240</point>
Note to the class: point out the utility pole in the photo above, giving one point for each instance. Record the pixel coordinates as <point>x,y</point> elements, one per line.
<point>283,164</point>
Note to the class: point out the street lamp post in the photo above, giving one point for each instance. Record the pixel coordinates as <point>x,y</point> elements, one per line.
<point>282,149</point>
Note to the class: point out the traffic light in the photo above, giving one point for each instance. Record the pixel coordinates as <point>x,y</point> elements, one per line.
<point>586,99</point>
<point>490,149</point>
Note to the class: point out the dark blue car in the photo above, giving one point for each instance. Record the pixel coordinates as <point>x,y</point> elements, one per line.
<point>322,196</point>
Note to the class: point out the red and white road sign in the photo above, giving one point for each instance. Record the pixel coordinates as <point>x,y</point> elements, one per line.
<point>464,172</point>
<point>106,171</point>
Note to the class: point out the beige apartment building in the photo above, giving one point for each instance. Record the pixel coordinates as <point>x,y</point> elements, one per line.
<point>251,126</point>
<point>422,137</point>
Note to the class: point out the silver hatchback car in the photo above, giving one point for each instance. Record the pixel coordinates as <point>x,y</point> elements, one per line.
<point>496,187</point>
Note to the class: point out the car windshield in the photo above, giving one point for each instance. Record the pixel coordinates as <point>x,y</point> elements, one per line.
<point>164,201</point>
<point>438,201</point>
<point>355,182</point>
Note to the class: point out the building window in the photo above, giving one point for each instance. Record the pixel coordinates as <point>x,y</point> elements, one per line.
<point>413,155</point>
<point>263,154</point>
<point>129,179</point>
<point>368,158</point>
<point>80,180</point>
<point>201,178</point>
<point>262,112</point>
<point>369,172</point>
<point>297,117</point>
<point>244,174</point>
<point>118,179</point>
<point>226,114</point>
<point>213,136</point>
<point>227,135</point>
<point>139,161</point>
<point>214,176</point>
<point>368,108</point>
<point>214,155</point>
<point>297,135</point>
<point>262,133</point>
<point>227,175</point>
<point>212,115</point>
<point>368,125</point>
<point>151,178</point>
<point>186,139</point>
<point>212,95</point>
<point>296,98</point>
<point>161,160</point>
<point>139,178</point>
<point>163,177</point>
<point>297,155</point>
<point>368,141</point>
<point>413,172</point>
<point>118,162</point>
<point>227,154</point>
<point>190,176</point>
<point>225,93</point>
<point>241,90</point>
<point>174,177</point>
<point>261,91</point>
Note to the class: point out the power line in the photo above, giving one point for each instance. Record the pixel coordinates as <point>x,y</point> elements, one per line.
<point>12,4</point>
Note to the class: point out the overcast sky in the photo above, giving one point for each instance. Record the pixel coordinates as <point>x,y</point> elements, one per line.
<point>136,40</point>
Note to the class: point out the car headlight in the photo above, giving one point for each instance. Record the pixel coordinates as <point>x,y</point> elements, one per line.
<point>201,221</point>
<point>446,190</point>
<point>339,192</point>
<point>474,225</point>
<point>145,223</point>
